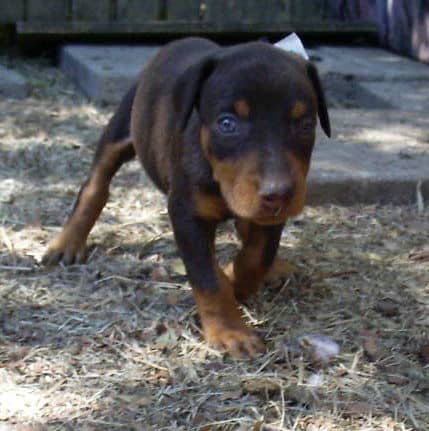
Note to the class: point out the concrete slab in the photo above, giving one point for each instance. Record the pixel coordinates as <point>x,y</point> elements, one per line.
<point>12,84</point>
<point>373,157</point>
<point>412,96</point>
<point>368,64</point>
<point>104,73</point>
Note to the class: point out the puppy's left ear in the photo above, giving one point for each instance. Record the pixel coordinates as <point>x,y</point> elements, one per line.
<point>187,89</point>
<point>321,102</point>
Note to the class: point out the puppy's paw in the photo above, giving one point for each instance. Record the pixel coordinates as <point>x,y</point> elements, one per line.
<point>239,341</point>
<point>64,248</point>
<point>281,268</point>
<point>244,287</point>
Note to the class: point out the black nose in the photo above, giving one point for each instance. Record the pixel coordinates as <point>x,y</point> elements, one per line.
<point>273,194</point>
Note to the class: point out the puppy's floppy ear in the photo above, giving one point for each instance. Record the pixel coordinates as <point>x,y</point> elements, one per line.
<point>321,102</point>
<point>187,89</point>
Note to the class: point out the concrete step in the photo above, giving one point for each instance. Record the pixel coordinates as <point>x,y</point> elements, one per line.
<point>373,157</point>
<point>12,84</point>
<point>104,73</point>
<point>367,64</point>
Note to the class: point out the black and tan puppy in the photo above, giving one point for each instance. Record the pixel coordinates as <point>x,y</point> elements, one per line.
<point>224,132</point>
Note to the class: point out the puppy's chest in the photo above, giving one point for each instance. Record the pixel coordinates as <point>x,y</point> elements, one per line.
<point>210,206</point>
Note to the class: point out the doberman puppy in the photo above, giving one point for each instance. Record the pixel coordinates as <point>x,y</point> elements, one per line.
<point>224,132</point>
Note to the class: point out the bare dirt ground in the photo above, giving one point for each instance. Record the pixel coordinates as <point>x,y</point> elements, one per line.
<point>115,343</point>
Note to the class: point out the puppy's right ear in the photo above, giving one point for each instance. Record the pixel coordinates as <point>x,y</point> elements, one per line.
<point>321,101</point>
<point>186,91</point>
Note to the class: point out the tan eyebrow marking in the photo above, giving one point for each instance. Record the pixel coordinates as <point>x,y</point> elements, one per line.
<point>242,108</point>
<point>298,110</point>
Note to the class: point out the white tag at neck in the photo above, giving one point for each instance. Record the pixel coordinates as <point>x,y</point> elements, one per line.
<point>292,43</point>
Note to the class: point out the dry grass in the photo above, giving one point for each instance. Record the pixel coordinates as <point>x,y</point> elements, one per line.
<point>115,344</point>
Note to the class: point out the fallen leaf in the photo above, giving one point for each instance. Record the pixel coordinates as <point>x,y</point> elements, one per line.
<point>417,255</point>
<point>370,346</point>
<point>172,299</point>
<point>396,379</point>
<point>299,394</point>
<point>357,409</point>
<point>19,353</point>
<point>231,395</point>
<point>257,386</point>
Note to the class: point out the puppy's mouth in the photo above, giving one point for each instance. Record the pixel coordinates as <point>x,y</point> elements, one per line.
<point>271,214</point>
<point>276,212</point>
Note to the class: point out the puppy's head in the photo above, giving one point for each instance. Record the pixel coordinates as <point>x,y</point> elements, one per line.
<point>258,108</point>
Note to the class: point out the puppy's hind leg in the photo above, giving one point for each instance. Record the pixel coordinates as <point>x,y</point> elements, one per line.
<point>114,149</point>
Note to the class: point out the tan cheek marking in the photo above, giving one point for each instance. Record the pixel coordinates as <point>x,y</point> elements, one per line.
<point>205,140</point>
<point>238,181</point>
<point>298,110</point>
<point>224,172</point>
<point>242,108</point>
<point>210,207</point>
<point>300,170</point>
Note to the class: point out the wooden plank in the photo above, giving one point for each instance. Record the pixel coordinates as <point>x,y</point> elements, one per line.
<point>222,11</point>
<point>267,11</point>
<point>84,10</point>
<point>133,11</point>
<point>47,10</point>
<point>312,10</point>
<point>192,10</point>
<point>179,28</point>
<point>248,10</point>
<point>11,11</point>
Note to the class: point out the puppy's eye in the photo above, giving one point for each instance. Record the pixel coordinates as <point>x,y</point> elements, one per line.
<point>227,124</point>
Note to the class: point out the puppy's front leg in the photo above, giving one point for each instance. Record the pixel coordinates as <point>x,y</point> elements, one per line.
<point>255,259</point>
<point>213,292</point>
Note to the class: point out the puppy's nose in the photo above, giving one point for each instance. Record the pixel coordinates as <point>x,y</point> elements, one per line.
<point>274,194</point>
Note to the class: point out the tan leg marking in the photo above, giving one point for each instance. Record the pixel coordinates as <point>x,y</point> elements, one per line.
<point>69,246</point>
<point>222,323</point>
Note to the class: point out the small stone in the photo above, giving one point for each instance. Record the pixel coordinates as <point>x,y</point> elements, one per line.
<point>387,308</point>
<point>178,267</point>
<point>320,348</point>
<point>424,354</point>
<point>370,346</point>
<point>159,273</point>
<point>315,379</point>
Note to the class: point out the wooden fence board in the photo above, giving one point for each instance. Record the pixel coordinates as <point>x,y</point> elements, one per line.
<point>191,10</point>
<point>195,28</point>
<point>47,10</point>
<point>136,10</point>
<point>174,17</point>
<point>11,11</point>
<point>248,10</point>
<point>84,10</point>
<point>310,9</point>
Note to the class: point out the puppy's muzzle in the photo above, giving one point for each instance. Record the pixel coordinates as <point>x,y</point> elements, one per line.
<point>275,195</point>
